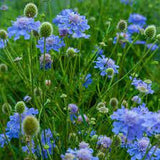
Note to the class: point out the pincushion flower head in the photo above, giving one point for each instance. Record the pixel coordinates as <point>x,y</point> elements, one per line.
<point>22,27</point>
<point>137,19</point>
<point>142,86</point>
<point>103,63</point>
<point>45,62</point>
<point>3,38</point>
<point>52,43</point>
<point>142,148</point>
<point>70,22</point>
<point>104,142</point>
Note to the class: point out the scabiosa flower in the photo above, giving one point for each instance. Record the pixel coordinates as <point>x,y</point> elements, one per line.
<point>104,142</point>
<point>142,86</point>
<point>84,154</point>
<point>63,32</point>
<point>27,99</point>
<point>128,122</point>
<point>136,99</point>
<point>140,42</point>
<point>72,51</point>
<point>130,2</point>
<point>13,126</point>
<point>22,27</point>
<point>47,63</point>
<point>133,28</point>
<point>137,19</point>
<point>4,7</point>
<point>88,80</point>
<point>83,145</point>
<point>73,108</point>
<point>122,38</point>
<point>152,47</point>
<point>103,63</point>
<point>73,22</point>
<point>80,118</point>
<point>2,43</point>
<point>141,148</point>
<point>122,25</point>
<point>52,43</point>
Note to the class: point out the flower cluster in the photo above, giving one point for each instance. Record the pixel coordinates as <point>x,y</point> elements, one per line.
<point>72,23</point>
<point>103,63</point>
<point>83,153</point>
<point>52,43</point>
<point>22,27</point>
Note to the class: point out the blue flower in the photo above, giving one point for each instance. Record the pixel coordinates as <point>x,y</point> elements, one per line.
<point>103,63</point>
<point>140,42</point>
<point>88,80</point>
<point>104,142</point>
<point>73,23</point>
<point>22,27</point>
<point>133,28</point>
<point>47,63</point>
<point>73,108</point>
<point>153,47</point>
<point>130,2</point>
<point>2,43</point>
<point>27,98</point>
<point>136,99</point>
<point>137,19</point>
<point>142,86</point>
<point>122,38</point>
<point>141,148</point>
<point>128,122</point>
<point>52,43</point>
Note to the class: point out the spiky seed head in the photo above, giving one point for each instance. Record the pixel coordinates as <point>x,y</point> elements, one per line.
<point>6,108</point>
<point>101,155</point>
<point>3,68</point>
<point>20,107</point>
<point>3,34</point>
<point>122,25</point>
<point>30,125</point>
<point>110,72</point>
<point>150,32</point>
<point>30,10</point>
<point>46,29</point>
<point>71,51</point>
<point>38,92</point>
<point>113,102</point>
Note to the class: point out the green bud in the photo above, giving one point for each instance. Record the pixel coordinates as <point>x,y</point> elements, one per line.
<point>3,68</point>
<point>125,103</point>
<point>38,92</point>
<point>30,126</point>
<point>122,25</point>
<point>6,108</point>
<point>110,72</point>
<point>150,32</point>
<point>20,107</point>
<point>3,34</point>
<point>30,10</point>
<point>158,37</point>
<point>46,29</point>
<point>113,102</point>
<point>46,147</point>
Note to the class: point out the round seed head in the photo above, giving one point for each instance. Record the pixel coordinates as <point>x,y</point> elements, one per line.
<point>6,108</point>
<point>110,72</point>
<point>30,126</point>
<point>150,32</point>
<point>113,102</point>
<point>122,25</point>
<point>3,34</point>
<point>30,10</point>
<point>46,29</point>
<point>3,68</point>
<point>20,107</point>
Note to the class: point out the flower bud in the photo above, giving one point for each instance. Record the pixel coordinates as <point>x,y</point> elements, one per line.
<point>158,37</point>
<point>150,32</point>
<point>110,72</point>
<point>3,68</point>
<point>113,102</point>
<point>125,103</point>
<point>30,126</point>
<point>3,34</point>
<point>6,108</point>
<point>30,10</point>
<point>122,25</point>
<point>46,29</point>
<point>38,92</point>
<point>47,82</point>
<point>20,107</point>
